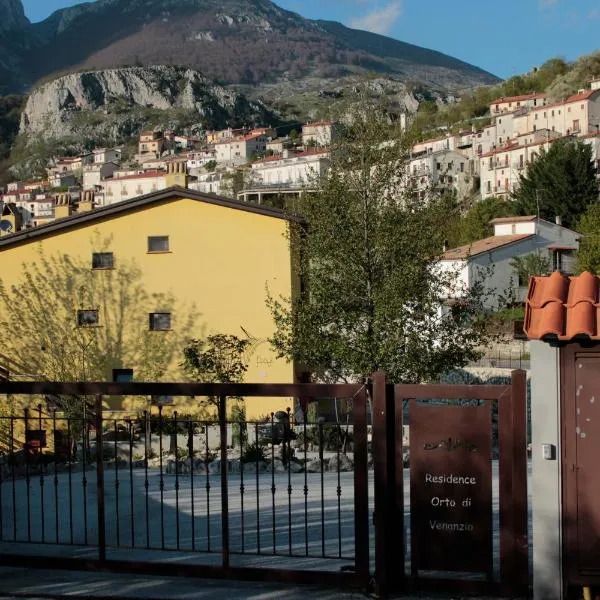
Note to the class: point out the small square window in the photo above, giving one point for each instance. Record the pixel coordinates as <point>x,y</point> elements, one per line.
<point>158,243</point>
<point>122,375</point>
<point>160,321</point>
<point>103,260</point>
<point>87,318</point>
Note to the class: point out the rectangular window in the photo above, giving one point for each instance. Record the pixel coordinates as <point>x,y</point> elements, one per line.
<point>576,125</point>
<point>122,375</point>
<point>103,260</point>
<point>160,321</point>
<point>158,243</point>
<point>87,318</point>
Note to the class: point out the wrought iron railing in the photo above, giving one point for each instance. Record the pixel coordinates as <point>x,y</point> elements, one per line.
<point>159,480</point>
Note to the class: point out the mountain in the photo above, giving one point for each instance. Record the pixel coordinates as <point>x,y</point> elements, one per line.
<point>114,104</point>
<point>234,41</point>
<point>13,15</point>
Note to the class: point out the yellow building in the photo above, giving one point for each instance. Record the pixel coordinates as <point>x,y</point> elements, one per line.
<point>214,254</point>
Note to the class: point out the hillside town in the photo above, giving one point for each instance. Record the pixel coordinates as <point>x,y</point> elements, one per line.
<point>257,166</point>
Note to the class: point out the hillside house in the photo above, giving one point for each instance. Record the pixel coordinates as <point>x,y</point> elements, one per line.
<point>577,115</point>
<point>278,145</point>
<point>240,150</point>
<point>199,158</point>
<point>510,103</point>
<point>93,175</point>
<point>319,133</point>
<point>513,237</point>
<point>215,137</point>
<point>288,173</point>
<point>126,185</point>
<point>106,155</point>
<point>151,144</point>
<point>442,170</point>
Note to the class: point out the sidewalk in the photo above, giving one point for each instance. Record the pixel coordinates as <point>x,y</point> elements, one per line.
<point>38,584</point>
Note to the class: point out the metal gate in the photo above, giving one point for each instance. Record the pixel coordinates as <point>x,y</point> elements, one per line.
<point>166,493</point>
<point>467,478</point>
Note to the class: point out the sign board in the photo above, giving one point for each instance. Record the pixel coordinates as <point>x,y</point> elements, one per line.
<point>451,488</point>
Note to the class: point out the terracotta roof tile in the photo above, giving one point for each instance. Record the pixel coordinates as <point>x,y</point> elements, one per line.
<point>505,99</point>
<point>485,245</point>
<point>563,308</point>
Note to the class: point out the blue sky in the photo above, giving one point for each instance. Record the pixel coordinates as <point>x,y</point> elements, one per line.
<point>506,38</point>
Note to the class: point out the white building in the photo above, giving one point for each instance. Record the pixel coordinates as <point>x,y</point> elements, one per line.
<point>278,145</point>
<point>437,144</point>
<point>211,183</point>
<point>36,210</point>
<point>197,160</point>
<point>93,175</point>
<point>443,170</point>
<point>510,103</point>
<point>239,150</point>
<point>125,187</point>
<point>577,115</point>
<point>500,168</point>
<point>105,155</point>
<point>489,260</point>
<point>291,168</point>
<point>289,173</point>
<point>320,133</point>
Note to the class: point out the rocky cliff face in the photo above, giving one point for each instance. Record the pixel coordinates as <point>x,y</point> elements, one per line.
<point>112,103</point>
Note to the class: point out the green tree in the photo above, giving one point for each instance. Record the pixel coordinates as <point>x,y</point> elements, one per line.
<point>210,166</point>
<point>368,255</point>
<point>588,256</point>
<point>218,358</point>
<point>560,182</point>
<point>533,264</point>
<point>40,319</point>
<point>475,223</point>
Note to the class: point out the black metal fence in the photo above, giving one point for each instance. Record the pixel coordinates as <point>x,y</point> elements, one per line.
<point>504,360</point>
<point>217,493</point>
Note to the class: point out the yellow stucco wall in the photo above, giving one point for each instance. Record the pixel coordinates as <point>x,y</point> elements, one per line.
<point>220,259</point>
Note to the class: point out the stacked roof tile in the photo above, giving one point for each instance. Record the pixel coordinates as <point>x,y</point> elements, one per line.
<point>563,308</point>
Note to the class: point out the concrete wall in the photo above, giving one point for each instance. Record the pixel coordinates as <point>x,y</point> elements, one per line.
<point>546,474</point>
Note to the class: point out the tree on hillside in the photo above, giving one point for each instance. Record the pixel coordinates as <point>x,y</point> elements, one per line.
<point>588,256</point>
<point>561,182</point>
<point>475,223</point>
<point>368,255</point>
<point>49,325</point>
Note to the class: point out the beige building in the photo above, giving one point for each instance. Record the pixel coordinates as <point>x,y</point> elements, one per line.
<point>500,168</point>
<point>444,170</point>
<point>239,150</point>
<point>577,115</point>
<point>93,175</point>
<point>151,143</point>
<point>511,103</point>
<point>105,155</point>
<point>320,133</point>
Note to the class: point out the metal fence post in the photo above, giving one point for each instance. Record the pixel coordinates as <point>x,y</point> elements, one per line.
<point>224,483</point>
<point>361,487</point>
<point>512,422</point>
<point>389,536</point>
<point>100,482</point>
